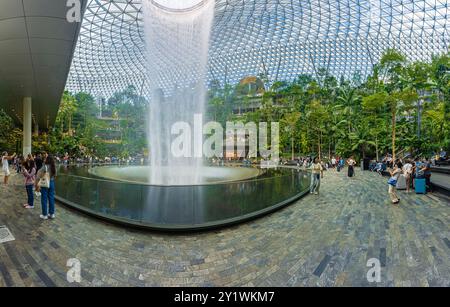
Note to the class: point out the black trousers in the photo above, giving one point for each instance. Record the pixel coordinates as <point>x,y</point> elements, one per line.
<point>351,171</point>
<point>428,182</point>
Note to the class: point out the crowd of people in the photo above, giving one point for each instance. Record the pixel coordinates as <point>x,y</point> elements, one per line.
<point>402,172</point>
<point>318,166</point>
<point>406,174</point>
<point>39,172</point>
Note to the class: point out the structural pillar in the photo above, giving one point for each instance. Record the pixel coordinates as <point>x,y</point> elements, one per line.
<point>27,125</point>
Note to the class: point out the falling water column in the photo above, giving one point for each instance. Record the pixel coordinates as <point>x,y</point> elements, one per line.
<point>177,40</point>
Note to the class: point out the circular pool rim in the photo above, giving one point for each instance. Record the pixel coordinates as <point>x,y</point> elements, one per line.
<point>95,172</point>
<point>178,11</point>
<point>210,225</point>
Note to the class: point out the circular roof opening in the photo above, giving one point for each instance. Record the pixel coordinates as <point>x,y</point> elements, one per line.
<point>179,5</point>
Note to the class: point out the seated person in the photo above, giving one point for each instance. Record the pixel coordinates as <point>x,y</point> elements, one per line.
<point>380,168</point>
<point>443,155</point>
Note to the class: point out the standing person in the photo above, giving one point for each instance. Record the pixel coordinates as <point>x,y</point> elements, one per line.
<point>351,167</point>
<point>419,169</point>
<point>44,156</point>
<point>46,176</point>
<point>19,161</point>
<point>427,172</point>
<point>38,161</point>
<point>316,174</point>
<point>5,166</point>
<point>341,163</point>
<point>338,164</point>
<point>395,174</point>
<point>408,173</point>
<point>389,161</point>
<point>29,172</point>
<point>66,159</point>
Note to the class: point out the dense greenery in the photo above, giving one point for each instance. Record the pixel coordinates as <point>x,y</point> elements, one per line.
<point>401,107</point>
<point>117,131</point>
<point>381,115</point>
<point>8,133</point>
<point>81,131</point>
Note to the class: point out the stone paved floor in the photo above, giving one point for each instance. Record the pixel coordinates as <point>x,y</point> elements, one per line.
<point>321,240</point>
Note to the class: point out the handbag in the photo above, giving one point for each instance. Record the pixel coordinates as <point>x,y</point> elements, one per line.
<point>392,181</point>
<point>44,182</point>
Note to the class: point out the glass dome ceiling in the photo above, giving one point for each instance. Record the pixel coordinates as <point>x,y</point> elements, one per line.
<point>278,38</point>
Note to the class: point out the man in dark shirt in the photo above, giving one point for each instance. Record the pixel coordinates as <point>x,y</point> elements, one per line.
<point>38,162</point>
<point>427,172</point>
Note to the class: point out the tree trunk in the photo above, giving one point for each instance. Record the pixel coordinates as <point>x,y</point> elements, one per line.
<point>376,148</point>
<point>292,144</point>
<point>329,149</point>
<point>394,126</point>
<point>318,145</point>
<point>70,125</point>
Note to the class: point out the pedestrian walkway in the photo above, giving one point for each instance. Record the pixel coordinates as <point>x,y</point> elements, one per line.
<point>323,240</point>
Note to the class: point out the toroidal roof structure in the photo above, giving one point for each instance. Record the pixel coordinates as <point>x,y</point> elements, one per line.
<point>278,38</point>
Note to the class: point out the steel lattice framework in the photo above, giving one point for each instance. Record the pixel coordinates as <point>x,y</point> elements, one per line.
<point>278,38</point>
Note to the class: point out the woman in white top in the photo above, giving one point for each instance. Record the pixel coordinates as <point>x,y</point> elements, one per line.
<point>395,174</point>
<point>316,174</point>
<point>351,167</point>
<point>407,172</point>
<point>5,166</point>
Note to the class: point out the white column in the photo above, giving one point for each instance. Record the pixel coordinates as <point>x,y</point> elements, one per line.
<point>27,125</point>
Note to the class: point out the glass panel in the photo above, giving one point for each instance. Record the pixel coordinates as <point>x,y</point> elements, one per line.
<point>180,206</point>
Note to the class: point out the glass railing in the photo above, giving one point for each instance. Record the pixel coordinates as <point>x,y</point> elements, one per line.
<point>180,207</point>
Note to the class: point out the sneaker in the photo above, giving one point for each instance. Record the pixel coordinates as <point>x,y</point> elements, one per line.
<point>44,217</point>
<point>52,216</point>
<point>29,207</point>
<point>316,193</point>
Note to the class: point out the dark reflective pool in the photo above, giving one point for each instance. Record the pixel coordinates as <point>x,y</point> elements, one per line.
<point>180,207</point>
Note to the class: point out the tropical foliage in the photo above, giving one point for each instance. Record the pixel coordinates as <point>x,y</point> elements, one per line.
<point>402,107</point>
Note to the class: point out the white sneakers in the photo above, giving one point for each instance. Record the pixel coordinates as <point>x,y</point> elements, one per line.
<point>46,217</point>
